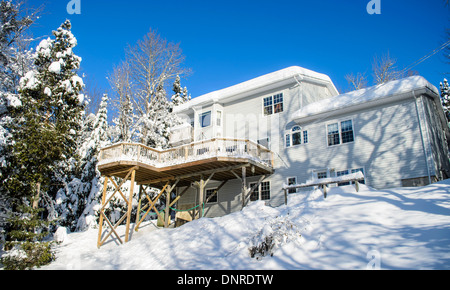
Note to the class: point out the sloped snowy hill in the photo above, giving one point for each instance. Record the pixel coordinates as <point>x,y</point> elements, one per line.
<point>406,228</point>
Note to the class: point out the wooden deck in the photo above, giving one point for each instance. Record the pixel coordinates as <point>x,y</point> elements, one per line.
<point>219,156</point>
<point>194,164</point>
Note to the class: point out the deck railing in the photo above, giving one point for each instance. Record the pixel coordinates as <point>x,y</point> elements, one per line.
<point>218,147</point>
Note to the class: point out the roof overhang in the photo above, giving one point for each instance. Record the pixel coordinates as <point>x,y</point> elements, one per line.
<point>391,92</point>
<point>269,82</point>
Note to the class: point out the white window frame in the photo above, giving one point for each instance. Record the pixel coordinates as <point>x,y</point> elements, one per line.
<point>330,172</point>
<point>351,171</point>
<point>292,190</point>
<point>288,137</point>
<point>259,190</point>
<point>250,185</point>
<point>272,104</point>
<point>219,117</point>
<point>339,125</point>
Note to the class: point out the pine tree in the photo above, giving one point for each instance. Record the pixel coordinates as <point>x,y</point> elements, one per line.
<point>15,59</point>
<point>48,119</point>
<point>180,96</point>
<point>157,123</point>
<point>76,202</point>
<point>25,245</point>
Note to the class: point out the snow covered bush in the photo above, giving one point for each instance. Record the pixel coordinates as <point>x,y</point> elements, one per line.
<point>273,235</point>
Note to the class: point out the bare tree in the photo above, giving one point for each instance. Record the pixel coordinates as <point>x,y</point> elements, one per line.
<point>384,69</point>
<point>153,62</point>
<point>357,82</point>
<point>121,84</point>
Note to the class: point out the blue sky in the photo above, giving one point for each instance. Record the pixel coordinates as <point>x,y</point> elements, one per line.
<point>227,42</point>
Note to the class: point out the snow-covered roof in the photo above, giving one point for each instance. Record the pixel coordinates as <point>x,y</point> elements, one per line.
<point>367,96</point>
<point>258,85</point>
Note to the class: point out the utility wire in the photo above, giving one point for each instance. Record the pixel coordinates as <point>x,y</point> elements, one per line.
<point>426,56</point>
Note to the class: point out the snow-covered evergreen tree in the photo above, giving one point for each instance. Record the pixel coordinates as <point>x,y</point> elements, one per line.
<point>15,60</point>
<point>49,117</point>
<point>155,126</point>
<point>78,201</point>
<point>180,96</point>
<point>445,98</point>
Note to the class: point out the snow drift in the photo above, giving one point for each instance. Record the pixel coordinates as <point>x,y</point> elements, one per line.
<point>406,228</point>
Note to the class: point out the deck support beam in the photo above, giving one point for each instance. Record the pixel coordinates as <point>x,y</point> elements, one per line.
<point>131,174</point>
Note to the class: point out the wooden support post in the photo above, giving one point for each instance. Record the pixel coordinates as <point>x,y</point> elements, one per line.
<point>201,197</point>
<point>167,212</point>
<point>100,228</point>
<point>244,185</point>
<point>138,213</point>
<point>130,205</point>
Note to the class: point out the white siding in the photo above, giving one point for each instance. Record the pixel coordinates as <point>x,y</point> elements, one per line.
<point>387,145</point>
<point>388,142</point>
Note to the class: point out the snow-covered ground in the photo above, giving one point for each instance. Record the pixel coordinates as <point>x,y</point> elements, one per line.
<point>405,228</point>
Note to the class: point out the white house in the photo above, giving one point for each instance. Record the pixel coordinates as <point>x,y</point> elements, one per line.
<point>395,133</point>
<point>250,141</point>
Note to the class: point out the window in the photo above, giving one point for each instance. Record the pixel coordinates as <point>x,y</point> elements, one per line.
<point>347,172</point>
<point>288,140</point>
<point>263,191</point>
<point>358,170</point>
<point>333,135</point>
<point>273,104</point>
<point>268,106</point>
<point>340,132</point>
<point>291,181</point>
<point>347,131</point>
<point>342,173</point>
<point>219,118</point>
<point>322,175</point>
<point>294,137</point>
<point>210,192</point>
<point>278,103</point>
<point>205,119</point>
<point>255,193</point>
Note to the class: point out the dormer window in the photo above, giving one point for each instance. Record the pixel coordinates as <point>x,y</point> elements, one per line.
<point>273,104</point>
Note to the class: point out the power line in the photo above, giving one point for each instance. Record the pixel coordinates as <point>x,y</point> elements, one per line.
<point>426,56</point>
